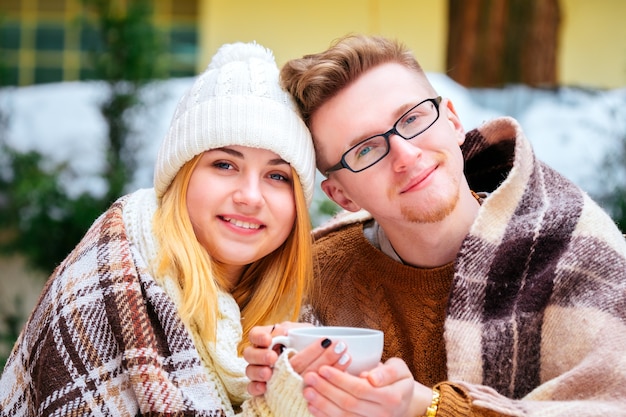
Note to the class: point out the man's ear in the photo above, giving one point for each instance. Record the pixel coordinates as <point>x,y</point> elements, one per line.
<point>455,121</point>
<point>336,193</point>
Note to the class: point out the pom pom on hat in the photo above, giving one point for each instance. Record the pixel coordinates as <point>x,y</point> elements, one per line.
<point>237,101</point>
<point>232,52</point>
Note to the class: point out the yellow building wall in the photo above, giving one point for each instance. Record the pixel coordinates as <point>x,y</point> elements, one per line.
<point>292,28</point>
<point>592,42</point>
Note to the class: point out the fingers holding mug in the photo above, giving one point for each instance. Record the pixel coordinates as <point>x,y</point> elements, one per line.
<point>326,352</point>
<point>363,347</point>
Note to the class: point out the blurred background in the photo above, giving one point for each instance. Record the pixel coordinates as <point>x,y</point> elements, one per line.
<point>87,89</point>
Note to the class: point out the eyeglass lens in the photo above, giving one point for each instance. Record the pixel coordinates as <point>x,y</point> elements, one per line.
<point>373,149</point>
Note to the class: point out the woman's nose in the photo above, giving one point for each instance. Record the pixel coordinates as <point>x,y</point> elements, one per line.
<point>248,193</point>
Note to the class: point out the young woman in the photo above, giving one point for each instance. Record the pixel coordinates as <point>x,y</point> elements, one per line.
<point>150,313</point>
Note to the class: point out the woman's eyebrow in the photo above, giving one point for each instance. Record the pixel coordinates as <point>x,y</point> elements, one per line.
<point>275,161</point>
<point>278,161</point>
<point>230,151</point>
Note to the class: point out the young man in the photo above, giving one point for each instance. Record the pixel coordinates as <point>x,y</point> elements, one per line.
<point>498,283</point>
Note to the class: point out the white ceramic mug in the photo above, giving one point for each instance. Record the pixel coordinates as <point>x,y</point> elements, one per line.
<point>365,346</point>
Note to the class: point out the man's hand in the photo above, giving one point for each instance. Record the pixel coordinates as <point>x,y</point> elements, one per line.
<point>387,391</point>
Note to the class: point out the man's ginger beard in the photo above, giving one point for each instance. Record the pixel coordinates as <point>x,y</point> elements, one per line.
<point>429,212</point>
<point>432,214</point>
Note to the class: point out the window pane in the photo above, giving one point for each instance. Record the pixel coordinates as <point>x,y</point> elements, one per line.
<point>183,40</point>
<point>48,75</point>
<point>89,40</point>
<point>87,73</point>
<point>10,36</point>
<point>183,51</point>
<point>49,38</point>
<point>9,76</point>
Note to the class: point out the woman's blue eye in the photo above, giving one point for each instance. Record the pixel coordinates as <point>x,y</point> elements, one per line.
<point>279,177</point>
<point>223,165</point>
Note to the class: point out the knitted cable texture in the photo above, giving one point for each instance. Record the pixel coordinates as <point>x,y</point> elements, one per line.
<point>237,101</point>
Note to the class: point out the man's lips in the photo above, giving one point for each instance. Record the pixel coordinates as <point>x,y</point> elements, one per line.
<point>416,181</point>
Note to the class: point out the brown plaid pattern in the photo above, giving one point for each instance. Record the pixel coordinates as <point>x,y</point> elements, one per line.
<point>105,339</point>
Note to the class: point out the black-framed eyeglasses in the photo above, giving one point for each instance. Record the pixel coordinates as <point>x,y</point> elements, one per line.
<point>371,150</point>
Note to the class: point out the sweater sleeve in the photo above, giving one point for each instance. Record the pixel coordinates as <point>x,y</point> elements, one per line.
<point>454,401</point>
<point>284,393</point>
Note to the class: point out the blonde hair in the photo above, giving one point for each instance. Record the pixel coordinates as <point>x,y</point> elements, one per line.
<point>271,289</point>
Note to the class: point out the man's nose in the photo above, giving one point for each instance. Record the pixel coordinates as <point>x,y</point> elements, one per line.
<point>403,152</point>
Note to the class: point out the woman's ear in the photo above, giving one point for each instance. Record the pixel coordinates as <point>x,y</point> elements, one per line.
<point>336,193</point>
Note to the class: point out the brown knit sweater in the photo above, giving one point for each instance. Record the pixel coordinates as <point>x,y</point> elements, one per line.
<point>409,305</point>
<point>412,322</point>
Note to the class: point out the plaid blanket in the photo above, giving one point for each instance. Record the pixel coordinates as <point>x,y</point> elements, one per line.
<point>541,285</point>
<point>105,339</point>
<point>536,319</point>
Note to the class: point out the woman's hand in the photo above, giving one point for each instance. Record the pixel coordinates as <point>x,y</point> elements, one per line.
<point>323,352</point>
<point>261,359</point>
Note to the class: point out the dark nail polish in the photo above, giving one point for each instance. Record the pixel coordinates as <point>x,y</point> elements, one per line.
<point>326,343</point>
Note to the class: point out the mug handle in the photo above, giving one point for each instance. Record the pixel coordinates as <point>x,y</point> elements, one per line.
<point>279,340</point>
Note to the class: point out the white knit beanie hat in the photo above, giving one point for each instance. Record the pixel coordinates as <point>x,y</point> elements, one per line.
<point>237,101</point>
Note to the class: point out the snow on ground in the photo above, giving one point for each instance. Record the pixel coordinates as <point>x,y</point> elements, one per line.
<point>571,129</point>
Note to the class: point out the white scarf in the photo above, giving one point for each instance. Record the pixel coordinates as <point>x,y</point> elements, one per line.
<point>221,357</point>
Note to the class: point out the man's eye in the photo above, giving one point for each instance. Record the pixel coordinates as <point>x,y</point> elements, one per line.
<point>370,148</point>
<point>410,119</point>
<point>363,151</point>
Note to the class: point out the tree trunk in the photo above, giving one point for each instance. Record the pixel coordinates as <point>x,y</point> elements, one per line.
<point>496,42</point>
